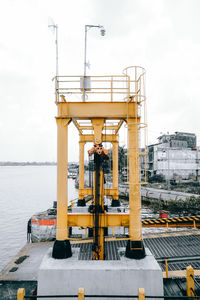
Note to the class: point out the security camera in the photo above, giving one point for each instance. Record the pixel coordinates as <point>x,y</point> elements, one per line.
<point>103,32</point>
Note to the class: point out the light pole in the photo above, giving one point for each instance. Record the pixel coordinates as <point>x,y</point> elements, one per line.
<point>55,27</point>
<point>168,181</point>
<point>102,31</point>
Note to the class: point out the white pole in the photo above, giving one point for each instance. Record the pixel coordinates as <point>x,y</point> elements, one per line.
<point>85,63</point>
<point>56,27</point>
<point>85,52</point>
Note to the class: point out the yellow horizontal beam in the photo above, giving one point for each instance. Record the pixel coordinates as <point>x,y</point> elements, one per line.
<point>105,138</point>
<point>90,110</point>
<point>107,220</point>
<point>107,192</point>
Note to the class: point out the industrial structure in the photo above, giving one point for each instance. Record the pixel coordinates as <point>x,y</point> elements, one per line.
<point>109,101</point>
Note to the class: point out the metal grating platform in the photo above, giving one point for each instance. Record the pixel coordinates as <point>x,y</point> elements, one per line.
<point>174,246</point>
<point>161,247</point>
<point>180,251</point>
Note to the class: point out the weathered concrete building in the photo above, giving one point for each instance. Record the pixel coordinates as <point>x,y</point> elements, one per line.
<point>179,139</point>
<point>175,156</point>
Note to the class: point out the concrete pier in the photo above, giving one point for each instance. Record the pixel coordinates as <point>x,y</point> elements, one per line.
<point>113,277</point>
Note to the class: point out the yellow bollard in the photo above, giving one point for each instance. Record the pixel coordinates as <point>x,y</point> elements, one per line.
<point>113,231</point>
<point>194,224</point>
<point>166,268</point>
<point>141,294</point>
<point>190,281</point>
<point>20,294</point>
<point>167,226</point>
<point>81,293</point>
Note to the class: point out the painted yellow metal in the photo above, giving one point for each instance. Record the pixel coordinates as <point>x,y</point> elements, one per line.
<point>135,225</point>
<point>115,167</point>
<point>81,293</point>
<point>92,110</point>
<point>98,125</point>
<point>141,294</point>
<point>190,281</point>
<point>106,220</point>
<point>101,227</point>
<point>105,138</point>
<point>62,180</point>
<point>120,96</point>
<point>119,126</point>
<point>78,126</point>
<point>107,192</point>
<point>81,167</point>
<point>194,223</point>
<point>21,294</point>
<point>166,268</point>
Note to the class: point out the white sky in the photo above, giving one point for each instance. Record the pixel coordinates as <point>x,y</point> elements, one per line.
<point>163,36</point>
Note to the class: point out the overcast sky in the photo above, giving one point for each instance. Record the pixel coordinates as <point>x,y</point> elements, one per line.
<point>163,36</point>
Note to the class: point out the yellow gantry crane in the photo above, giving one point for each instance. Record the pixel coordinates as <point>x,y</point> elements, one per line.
<point>98,106</point>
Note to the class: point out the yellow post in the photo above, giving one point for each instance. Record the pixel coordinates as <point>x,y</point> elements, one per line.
<point>113,231</point>
<point>81,293</point>
<point>135,226</point>
<point>141,294</point>
<point>194,224</point>
<point>62,181</point>
<point>81,167</point>
<point>101,229</point>
<point>166,269</point>
<point>167,226</point>
<point>20,294</point>
<point>62,247</point>
<point>135,247</point>
<point>115,167</point>
<point>190,281</point>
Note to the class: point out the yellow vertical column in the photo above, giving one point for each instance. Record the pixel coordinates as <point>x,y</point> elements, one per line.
<point>135,248</point>
<point>115,165</point>
<point>81,166</point>
<point>81,201</point>
<point>115,201</point>
<point>62,181</point>
<point>62,247</point>
<point>135,227</point>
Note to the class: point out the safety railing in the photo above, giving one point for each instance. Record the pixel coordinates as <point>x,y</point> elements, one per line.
<point>81,296</point>
<point>107,88</point>
<point>191,286</point>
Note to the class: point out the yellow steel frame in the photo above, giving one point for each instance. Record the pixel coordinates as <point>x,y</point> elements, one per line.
<point>107,192</point>
<point>107,220</point>
<point>121,97</point>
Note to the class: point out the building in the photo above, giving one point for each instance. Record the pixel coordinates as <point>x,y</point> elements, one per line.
<point>175,156</point>
<point>179,139</point>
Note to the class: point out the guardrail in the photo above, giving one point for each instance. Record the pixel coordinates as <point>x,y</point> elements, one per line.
<point>130,86</point>
<point>190,288</point>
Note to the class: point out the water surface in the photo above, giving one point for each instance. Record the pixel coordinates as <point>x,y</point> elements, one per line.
<point>24,190</point>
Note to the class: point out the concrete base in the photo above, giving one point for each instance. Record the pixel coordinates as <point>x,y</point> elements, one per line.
<point>114,277</point>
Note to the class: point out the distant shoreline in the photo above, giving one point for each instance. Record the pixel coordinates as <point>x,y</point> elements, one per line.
<point>11,163</point>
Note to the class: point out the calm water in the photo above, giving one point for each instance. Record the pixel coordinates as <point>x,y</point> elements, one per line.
<point>23,192</point>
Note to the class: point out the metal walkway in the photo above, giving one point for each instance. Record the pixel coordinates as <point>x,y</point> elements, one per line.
<point>180,251</point>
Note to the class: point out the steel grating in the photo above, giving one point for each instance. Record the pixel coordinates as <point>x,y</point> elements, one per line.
<point>161,247</point>
<point>181,250</point>
<point>174,246</point>
<point>173,266</point>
